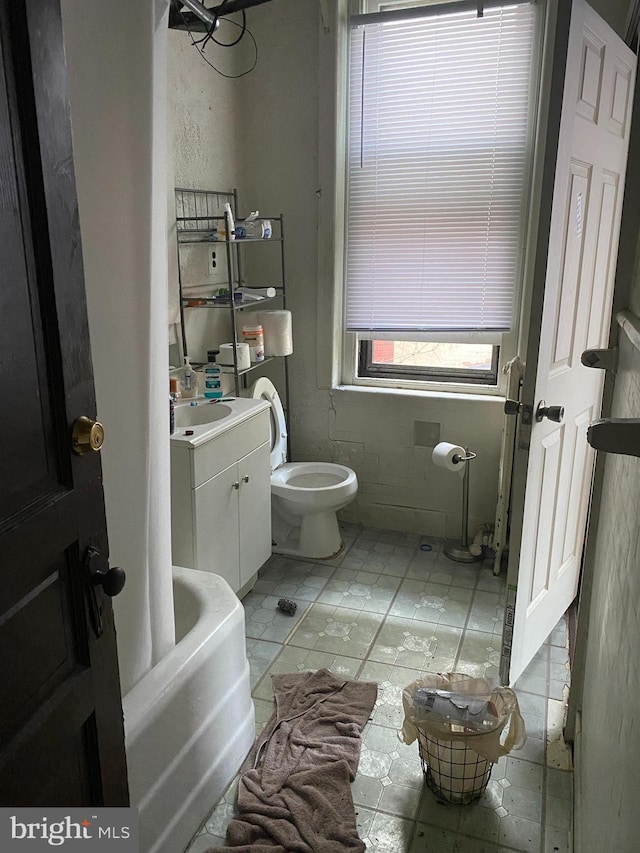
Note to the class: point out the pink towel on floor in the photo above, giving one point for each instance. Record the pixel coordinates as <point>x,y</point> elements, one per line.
<point>294,795</point>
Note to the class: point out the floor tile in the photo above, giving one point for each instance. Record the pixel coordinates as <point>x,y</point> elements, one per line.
<point>203,843</point>
<point>360,590</point>
<point>436,813</point>
<point>464,844</point>
<point>263,620</point>
<point>428,838</point>
<point>521,834</point>
<point>293,659</point>
<point>263,710</point>
<point>378,557</point>
<point>261,655</point>
<point>400,800</point>
<point>479,654</point>
<point>339,630</point>
<point>388,834</point>
<point>432,602</point>
<point>298,579</point>
<point>533,748</point>
<point>415,644</point>
<point>388,612</point>
<point>487,612</point>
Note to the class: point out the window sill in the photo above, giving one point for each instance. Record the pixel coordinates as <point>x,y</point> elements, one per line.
<point>492,396</point>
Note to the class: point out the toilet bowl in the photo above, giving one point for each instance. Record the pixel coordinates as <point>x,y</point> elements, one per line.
<point>306,495</point>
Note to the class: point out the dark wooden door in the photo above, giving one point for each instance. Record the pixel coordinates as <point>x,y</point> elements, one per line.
<point>61,731</point>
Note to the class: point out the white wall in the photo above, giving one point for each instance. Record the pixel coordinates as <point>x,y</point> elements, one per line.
<point>614,13</point>
<point>610,747</point>
<point>278,112</point>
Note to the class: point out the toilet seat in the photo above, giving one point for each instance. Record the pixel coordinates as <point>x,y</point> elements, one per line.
<point>264,389</point>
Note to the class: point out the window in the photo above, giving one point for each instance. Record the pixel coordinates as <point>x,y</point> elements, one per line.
<point>438,164</point>
<point>441,361</point>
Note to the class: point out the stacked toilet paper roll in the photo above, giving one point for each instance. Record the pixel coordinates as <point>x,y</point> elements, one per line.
<point>449,456</point>
<point>225,356</point>
<point>278,335</point>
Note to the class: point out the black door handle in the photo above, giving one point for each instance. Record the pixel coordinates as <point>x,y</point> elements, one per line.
<point>112,581</point>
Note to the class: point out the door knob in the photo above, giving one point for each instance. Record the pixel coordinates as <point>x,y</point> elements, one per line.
<point>111,580</point>
<point>87,436</point>
<point>552,413</point>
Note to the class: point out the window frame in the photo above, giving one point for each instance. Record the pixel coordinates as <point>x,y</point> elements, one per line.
<point>351,352</point>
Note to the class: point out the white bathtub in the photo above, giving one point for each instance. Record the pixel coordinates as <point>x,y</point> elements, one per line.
<point>190,722</point>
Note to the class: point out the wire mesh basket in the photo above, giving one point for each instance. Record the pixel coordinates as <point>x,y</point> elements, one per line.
<point>452,770</point>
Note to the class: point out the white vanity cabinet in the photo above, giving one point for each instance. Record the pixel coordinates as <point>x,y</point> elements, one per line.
<point>221,501</point>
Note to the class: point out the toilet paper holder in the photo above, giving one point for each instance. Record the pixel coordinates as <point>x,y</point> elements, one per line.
<point>459,552</point>
<point>457,458</point>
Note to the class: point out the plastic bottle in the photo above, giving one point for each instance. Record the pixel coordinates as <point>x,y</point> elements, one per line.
<point>173,394</point>
<point>189,380</point>
<point>212,387</point>
<point>229,224</point>
<point>254,336</point>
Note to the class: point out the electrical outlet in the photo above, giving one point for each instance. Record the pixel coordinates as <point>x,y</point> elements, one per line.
<point>212,261</point>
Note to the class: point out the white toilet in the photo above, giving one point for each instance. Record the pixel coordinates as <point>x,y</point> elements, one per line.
<point>306,495</point>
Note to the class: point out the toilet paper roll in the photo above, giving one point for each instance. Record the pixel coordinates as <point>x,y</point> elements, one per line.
<point>445,455</point>
<point>278,335</point>
<point>225,356</point>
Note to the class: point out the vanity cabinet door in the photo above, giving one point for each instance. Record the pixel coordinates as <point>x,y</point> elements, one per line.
<point>254,475</point>
<point>216,526</point>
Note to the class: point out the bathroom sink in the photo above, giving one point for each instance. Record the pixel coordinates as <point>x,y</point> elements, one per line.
<point>200,420</point>
<point>202,413</point>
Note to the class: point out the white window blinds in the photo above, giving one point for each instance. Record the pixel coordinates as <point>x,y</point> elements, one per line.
<point>438,158</point>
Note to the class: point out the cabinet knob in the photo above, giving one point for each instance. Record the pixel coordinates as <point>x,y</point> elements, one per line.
<point>236,485</point>
<point>245,479</point>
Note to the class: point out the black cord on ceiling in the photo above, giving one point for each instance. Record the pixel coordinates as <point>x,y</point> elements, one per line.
<point>200,44</point>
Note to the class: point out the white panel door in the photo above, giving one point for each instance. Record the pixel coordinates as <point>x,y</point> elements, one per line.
<point>549,515</point>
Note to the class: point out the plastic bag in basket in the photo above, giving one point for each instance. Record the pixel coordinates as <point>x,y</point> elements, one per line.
<point>479,722</point>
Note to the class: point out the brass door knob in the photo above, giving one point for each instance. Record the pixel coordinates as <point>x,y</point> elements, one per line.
<point>87,436</point>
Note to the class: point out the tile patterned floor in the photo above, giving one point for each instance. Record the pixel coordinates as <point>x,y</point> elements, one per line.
<point>384,610</point>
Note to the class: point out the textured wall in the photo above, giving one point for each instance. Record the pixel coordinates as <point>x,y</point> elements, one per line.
<point>276,116</point>
<point>609,780</point>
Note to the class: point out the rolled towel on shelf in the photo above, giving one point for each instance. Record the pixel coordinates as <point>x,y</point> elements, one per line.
<point>278,334</point>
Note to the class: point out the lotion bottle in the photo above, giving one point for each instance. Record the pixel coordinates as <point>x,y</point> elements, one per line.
<point>229,224</point>
<point>189,381</point>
